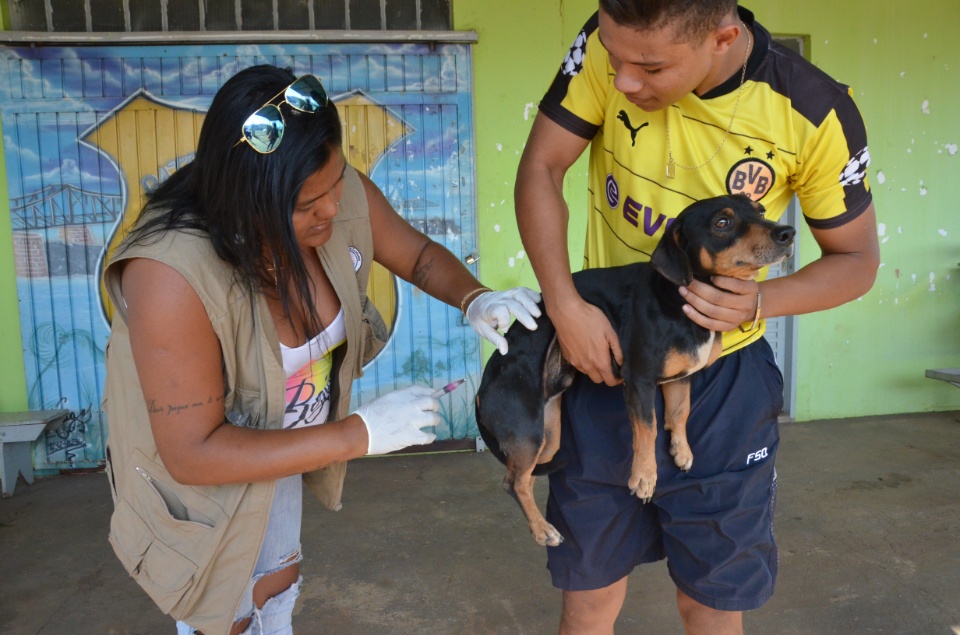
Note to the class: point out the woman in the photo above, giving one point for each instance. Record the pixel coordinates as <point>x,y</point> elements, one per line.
<point>245,279</point>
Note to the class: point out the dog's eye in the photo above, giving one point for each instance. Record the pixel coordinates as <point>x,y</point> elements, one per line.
<point>722,223</point>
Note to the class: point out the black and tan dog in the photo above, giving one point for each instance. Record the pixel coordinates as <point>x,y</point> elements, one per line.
<point>518,403</point>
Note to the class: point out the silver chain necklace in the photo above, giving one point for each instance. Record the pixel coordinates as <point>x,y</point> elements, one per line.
<point>673,165</point>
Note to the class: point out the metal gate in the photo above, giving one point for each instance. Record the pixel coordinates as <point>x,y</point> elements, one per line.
<point>782,331</point>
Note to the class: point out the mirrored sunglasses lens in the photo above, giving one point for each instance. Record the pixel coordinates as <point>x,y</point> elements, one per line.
<point>306,94</point>
<point>264,129</point>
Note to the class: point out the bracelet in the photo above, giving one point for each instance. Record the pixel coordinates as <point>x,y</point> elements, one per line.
<point>756,317</point>
<point>463,302</point>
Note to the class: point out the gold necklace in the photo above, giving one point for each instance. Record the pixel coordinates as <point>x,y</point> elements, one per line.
<point>673,165</point>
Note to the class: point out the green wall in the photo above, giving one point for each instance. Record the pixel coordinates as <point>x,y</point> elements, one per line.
<point>869,356</point>
<point>13,386</point>
<point>903,61</point>
<point>520,48</point>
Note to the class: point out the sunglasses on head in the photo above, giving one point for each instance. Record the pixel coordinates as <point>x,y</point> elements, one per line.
<point>263,130</point>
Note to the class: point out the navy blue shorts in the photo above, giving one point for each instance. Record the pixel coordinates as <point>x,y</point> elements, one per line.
<point>714,524</point>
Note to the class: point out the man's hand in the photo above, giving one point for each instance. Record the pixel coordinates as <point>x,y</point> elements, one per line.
<point>722,307</point>
<point>587,340</point>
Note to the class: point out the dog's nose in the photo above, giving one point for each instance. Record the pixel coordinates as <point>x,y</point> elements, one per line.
<point>784,235</point>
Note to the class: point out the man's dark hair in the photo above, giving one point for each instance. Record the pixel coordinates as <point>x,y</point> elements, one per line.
<point>694,19</point>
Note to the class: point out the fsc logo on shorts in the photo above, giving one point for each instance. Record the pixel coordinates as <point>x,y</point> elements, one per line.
<point>759,455</point>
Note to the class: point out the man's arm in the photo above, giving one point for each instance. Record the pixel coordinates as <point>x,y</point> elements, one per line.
<point>846,269</point>
<point>586,337</point>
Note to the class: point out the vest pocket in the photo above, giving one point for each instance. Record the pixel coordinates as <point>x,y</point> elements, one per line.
<point>171,501</point>
<point>162,572</point>
<point>164,533</point>
<point>180,508</point>
<point>245,407</point>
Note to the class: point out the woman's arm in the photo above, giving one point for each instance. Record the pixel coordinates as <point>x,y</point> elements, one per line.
<point>412,255</point>
<point>434,269</point>
<point>179,363</point>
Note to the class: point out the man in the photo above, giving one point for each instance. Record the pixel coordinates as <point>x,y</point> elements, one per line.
<point>680,101</point>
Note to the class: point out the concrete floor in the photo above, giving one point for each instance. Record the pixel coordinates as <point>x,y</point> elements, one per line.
<point>868,527</point>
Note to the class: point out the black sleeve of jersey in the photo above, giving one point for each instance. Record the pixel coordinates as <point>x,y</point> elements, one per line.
<point>551,105</point>
<point>857,197</point>
<point>815,95</point>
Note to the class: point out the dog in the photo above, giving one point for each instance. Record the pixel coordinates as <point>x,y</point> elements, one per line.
<point>518,402</point>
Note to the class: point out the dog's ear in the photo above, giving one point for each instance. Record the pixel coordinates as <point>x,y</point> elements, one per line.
<point>670,259</point>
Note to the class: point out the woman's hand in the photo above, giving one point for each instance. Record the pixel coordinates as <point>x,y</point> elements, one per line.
<point>491,312</point>
<point>397,419</point>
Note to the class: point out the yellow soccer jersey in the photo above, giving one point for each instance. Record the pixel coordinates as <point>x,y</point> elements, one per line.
<point>796,131</point>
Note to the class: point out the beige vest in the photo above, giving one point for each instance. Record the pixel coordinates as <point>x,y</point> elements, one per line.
<point>193,549</point>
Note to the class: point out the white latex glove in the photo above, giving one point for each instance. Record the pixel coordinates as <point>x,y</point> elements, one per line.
<point>395,419</point>
<point>490,313</point>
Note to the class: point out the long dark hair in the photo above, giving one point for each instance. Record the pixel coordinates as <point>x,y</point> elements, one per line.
<point>694,19</point>
<point>244,200</point>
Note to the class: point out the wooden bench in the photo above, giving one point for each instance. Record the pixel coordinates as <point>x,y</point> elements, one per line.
<point>18,431</point>
<point>949,375</point>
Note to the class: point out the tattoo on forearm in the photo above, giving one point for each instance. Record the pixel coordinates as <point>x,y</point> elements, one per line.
<point>423,266</point>
<point>155,408</point>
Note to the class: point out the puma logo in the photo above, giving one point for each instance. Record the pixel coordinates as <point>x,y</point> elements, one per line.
<point>622,116</point>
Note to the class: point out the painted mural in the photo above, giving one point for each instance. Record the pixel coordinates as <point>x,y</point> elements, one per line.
<point>90,131</point>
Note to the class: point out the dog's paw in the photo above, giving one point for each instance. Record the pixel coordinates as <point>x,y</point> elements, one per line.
<point>546,535</point>
<point>644,486</point>
<point>682,456</point>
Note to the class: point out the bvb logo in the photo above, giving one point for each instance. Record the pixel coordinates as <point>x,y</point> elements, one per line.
<point>752,177</point>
